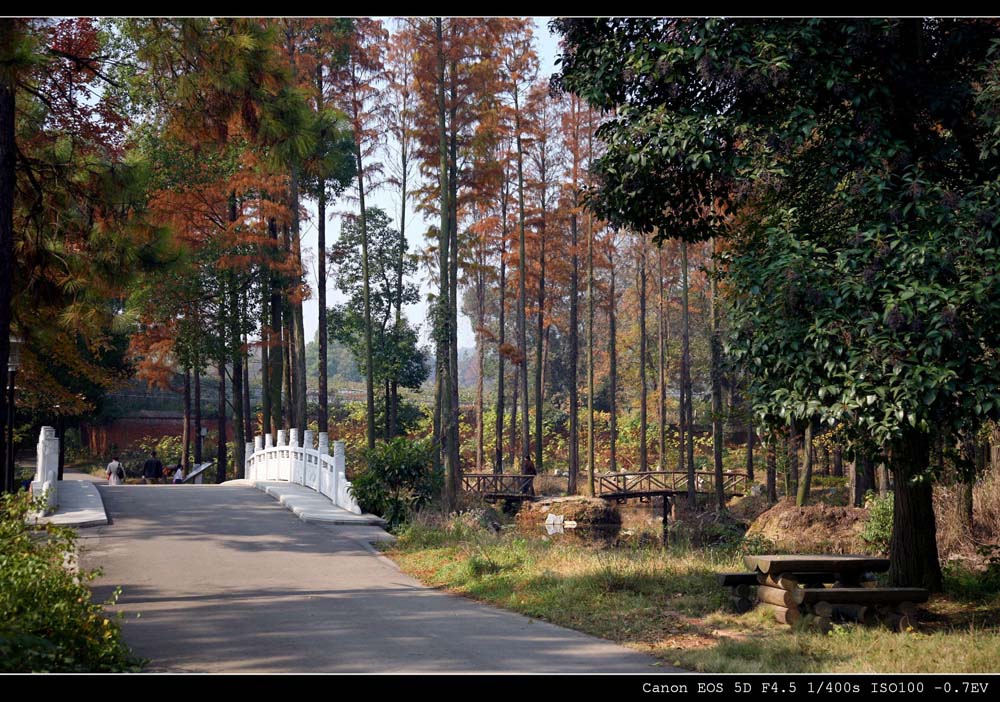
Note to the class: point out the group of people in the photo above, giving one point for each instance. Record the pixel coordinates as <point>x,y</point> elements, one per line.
<point>153,471</point>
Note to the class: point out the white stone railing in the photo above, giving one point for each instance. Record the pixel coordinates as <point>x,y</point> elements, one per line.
<point>311,467</point>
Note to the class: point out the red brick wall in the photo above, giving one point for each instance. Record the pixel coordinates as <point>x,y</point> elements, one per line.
<point>126,432</point>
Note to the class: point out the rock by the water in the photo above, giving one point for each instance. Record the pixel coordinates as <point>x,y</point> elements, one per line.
<point>585,511</point>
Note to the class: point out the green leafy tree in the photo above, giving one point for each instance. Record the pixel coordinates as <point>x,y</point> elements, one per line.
<point>851,161</point>
<point>396,358</point>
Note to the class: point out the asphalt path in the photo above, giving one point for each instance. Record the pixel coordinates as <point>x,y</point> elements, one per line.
<point>223,579</point>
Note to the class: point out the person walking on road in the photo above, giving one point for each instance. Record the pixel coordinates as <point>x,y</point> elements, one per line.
<point>115,472</point>
<point>152,469</point>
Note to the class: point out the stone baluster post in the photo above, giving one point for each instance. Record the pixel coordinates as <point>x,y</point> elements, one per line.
<point>47,468</point>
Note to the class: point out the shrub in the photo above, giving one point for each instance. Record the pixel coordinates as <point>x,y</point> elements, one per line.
<point>397,479</point>
<point>47,621</point>
<point>877,530</point>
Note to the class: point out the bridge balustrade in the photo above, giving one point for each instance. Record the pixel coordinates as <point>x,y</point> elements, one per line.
<point>314,468</point>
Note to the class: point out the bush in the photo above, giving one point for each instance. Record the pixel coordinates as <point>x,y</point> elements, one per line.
<point>877,530</point>
<point>47,621</point>
<point>972,583</point>
<point>397,479</point>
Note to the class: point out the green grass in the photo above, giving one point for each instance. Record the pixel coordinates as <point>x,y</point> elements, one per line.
<point>667,603</point>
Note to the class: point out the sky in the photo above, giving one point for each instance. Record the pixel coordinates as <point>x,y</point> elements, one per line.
<point>548,49</point>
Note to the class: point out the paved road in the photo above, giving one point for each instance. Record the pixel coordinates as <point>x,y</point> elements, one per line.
<point>224,579</point>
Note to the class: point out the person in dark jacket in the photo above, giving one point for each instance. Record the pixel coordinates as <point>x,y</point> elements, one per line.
<point>152,469</point>
<point>528,487</point>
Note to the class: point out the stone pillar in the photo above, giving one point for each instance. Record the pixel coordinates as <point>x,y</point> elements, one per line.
<point>324,444</point>
<point>258,443</point>
<point>293,438</point>
<point>307,439</point>
<point>339,458</point>
<point>248,462</point>
<point>282,440</point>
<point>47,468</point>
<point>268,441</point>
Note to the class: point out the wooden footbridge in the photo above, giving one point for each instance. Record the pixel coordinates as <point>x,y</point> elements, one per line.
<point>610,486</point>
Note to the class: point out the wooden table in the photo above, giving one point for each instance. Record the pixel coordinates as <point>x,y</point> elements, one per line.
<point>846,570</point>
<point>826,588</point>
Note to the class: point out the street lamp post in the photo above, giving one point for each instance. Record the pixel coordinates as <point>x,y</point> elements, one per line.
<point>13,363</point>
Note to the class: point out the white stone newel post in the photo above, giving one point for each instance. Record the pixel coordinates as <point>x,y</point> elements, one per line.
<point>248,457</point>
<point>47,468</point>
<point>279,459</point>
<point>293,438</point>
<point>307,449</point>
<point>296,464</point>
<point>324,444</point>
<point>258,446</point>
<point>344,498</point>
<point>266,471</point>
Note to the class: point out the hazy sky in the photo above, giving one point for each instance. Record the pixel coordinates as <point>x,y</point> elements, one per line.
<point>547,47</point>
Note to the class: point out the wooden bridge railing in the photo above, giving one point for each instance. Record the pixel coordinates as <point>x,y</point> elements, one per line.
<point>611,485</point>
<point>498,484</point>
<point>660,482</point>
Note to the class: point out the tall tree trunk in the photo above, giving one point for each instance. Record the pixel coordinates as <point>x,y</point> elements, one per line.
<point>297,350</point>
<point>807,469</point>
<point>480,354</point>
<point>838,462</point>
<point>289,389</point>
<point>270,320</point>
<point>249,416</point>
<point>186,429</point>
<point>236,355</point>
<point>198,459</point>
<point>8,159</point>
<point>539,341</point>
<point>643,399</point>
<point>862,478</point>
<point>574,351</point>
<point>443,319</point>
<point>454,421</point>
<point>522,298</point>
<point>591,442</point>
<point>913,554</point>
<point>686,404</point>
<point>613,356</point>
<point>751,435</point>
<point>386,421</point>
<point>366,287</point>
<point>793,458</point>
<point>323,418</point>
<point>221,455</point>
<point>716,348</point>
<point>404,156</point>
<point>514,452</point>
<point>498,455</point>
<point>661,334</point>
<point>501,329</point>
<point>772,478</point>
<point>438,437</point>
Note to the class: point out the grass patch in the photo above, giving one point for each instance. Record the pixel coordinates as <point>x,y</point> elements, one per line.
<point>666,602</point>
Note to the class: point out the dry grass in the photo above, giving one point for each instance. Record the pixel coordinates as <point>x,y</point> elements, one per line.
<point>955,542</point>
<point>666,602</point>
